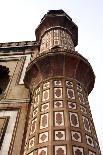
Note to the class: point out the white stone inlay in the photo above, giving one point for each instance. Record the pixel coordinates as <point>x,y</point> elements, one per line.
<point>24,68</point>
<point>9,131</point>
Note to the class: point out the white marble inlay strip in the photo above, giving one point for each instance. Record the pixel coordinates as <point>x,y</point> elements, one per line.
<point>9,131</point>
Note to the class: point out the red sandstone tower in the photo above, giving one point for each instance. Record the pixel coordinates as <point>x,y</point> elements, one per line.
<point>60,80</point>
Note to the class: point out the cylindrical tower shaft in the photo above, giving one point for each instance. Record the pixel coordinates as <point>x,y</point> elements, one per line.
<point>60,79</point>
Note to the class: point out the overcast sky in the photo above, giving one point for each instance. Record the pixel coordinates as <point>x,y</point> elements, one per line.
<point>19,18</point>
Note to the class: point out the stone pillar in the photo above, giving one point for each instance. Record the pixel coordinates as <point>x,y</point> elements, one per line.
<point>60,79</point>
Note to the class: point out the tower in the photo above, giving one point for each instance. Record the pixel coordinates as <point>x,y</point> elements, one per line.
<point>44,88</point>
<point>60,80</point>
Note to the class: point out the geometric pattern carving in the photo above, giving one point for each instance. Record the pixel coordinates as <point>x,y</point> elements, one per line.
<point>59,119</point>
<point>91,153</point>
<point>60,135</point>
<point>46,85</point>
<point>78,150</point>
<point>33,126</point>
<point>44,121</point>
<point>74,119</point>
<point>31,142</point>
<point>72,105</point>
<point>42,151</point>
<point>76,136</point>
<point>44,107</point>
<point>43,137</point>
<point>57,93</point>
<point>89,140</point>
<point>56,38</point>
<point>45,95</point>
<point>58,104</point>
<point>60,150</point>
<point>86,124</point>
<point>70,93</point>
<point>57,83</point>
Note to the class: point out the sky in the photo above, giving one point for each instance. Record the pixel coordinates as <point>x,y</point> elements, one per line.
<point>19,18</point>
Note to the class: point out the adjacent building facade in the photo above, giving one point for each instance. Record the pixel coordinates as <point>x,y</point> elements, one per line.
<point>44,88</point>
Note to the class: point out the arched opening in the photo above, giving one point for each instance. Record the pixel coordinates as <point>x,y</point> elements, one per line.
<point>4,78</point>
<point>0,91</point>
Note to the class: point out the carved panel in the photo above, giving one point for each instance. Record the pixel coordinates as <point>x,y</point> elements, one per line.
<point>60,150</point>
<point>42,151</point>
<point>59,135</point>
<point>70,93</point>
<point>78,151</point>
<point>31,142</point>
<point>45,95</point>
<point>57,93</point>
<point>74,121</point>
<point>69,84</point>
<point>43,137</point>
<point>44,121</point>
<point>86,124</point>
<point>76,136</point>
<point>58,104</point>
<point>46,85</point>
<point>57,83</point>
<point>83,109</point>
<point>59,118</point>
<point>89,140</point>
<point>33,126</point>
<point>44,107</point>
<point>72,105</point>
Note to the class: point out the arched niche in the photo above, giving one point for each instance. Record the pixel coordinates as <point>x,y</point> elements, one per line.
<point>4,78</point>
